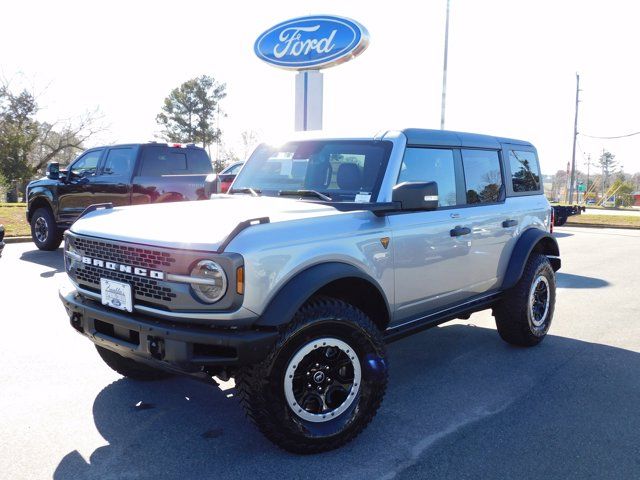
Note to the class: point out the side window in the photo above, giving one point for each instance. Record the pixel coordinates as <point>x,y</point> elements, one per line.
<point>431,165</point>
<point>525,171</point>
<point>234,169</point>
<point>482,175</point>
<point>119,162</point>
<point>87,164</point>
<point>157,161</point>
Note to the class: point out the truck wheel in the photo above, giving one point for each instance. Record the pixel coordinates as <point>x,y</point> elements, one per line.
<point>323,381</point>
<point>524,316</point>
<point>44,231</point>
<point>130,368</point>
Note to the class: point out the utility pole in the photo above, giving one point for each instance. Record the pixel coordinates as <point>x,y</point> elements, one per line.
<point>575,138</point>
<point>586,188</point>
<point>603,178</point>
<point>444,68</point>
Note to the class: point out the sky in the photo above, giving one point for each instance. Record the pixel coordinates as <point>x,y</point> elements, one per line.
<point>512,67</point>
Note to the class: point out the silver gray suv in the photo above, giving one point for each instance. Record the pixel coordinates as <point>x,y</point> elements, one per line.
<point>322,251</point>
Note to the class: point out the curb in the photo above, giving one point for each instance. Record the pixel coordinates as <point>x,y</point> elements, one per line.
<point>599,225</point>
<point>17,239</point>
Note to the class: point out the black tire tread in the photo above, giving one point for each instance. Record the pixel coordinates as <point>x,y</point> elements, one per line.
<point>55,234</point>
<point>511,312</point>
<point>251,380</point>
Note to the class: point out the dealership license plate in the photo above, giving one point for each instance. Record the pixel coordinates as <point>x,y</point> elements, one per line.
<point>116,294</point>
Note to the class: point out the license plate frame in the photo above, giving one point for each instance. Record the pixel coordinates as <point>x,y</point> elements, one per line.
<point>116,294</point>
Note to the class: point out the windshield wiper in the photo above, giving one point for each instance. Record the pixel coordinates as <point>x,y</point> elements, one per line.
<point>306,193</point>
<point>254,193</point>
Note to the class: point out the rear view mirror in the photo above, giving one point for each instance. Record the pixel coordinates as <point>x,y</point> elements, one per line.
<point>53,171</point>
<point>416,195</point>
<point>212,185</point>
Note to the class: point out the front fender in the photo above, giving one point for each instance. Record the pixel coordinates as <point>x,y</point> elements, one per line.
<point>37,195</point>
<point>300,288</point>
<point>530,240</point>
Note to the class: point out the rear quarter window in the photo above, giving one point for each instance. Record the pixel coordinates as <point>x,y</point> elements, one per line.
<point>525,171</point>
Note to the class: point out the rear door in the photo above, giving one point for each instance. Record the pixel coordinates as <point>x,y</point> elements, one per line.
<point>75,192</point>
<point>431,249</point>
<point>487,216</point>
<point>169,174</point>
<point>112,183</point>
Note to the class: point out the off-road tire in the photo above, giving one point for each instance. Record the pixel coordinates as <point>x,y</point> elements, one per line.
<point>261,386</point>
<point>512,313</point>
<point>53,237</point>
<point>130,368</point>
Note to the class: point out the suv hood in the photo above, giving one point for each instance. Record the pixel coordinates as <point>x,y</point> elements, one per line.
<point>200,225</point>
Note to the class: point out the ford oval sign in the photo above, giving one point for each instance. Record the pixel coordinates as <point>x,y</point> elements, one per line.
<point>310,43</point>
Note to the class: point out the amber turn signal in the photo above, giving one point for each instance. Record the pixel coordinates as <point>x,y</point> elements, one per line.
<point>240,280</point>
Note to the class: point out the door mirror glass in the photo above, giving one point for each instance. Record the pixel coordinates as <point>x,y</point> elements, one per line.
<point>53,171</point>
<point>414,196</point>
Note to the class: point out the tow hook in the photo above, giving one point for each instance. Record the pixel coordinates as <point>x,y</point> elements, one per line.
<point>156,347</point>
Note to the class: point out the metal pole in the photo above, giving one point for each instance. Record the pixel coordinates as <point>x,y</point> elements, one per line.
<point>575,137</point>
<point>444,68</point>
<point>586,188</point>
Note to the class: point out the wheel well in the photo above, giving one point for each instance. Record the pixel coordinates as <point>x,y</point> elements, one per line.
<point>546,246</point>
<point>361,294</point>
<point>38,203</point>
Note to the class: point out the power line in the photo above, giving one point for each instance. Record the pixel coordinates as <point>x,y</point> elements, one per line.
<point>612,138</point>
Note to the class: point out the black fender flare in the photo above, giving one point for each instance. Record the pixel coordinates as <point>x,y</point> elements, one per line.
<point>284,305</point>
<point>37,195</point>
<point>529,240</point>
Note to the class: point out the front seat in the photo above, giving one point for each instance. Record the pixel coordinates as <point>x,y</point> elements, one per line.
<point>349,177</point>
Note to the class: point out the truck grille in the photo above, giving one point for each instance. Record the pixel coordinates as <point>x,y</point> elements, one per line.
<point>135,256</point>
<point>150,291</point>
<point>142,287</point>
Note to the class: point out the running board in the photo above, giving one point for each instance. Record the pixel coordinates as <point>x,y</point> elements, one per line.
<point>410,327</point>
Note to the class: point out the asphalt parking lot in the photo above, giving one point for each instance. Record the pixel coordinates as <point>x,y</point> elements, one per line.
<point>460,404</point>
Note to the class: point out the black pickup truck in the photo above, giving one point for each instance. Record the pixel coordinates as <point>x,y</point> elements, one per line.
<point>131,174</point>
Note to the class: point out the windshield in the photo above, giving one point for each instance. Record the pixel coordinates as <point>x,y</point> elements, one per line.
<point>339,169</point>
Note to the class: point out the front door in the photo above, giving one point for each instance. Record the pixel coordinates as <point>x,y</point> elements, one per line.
<point>74,193</point>
<point>431,249</point>
<point>112,184</point>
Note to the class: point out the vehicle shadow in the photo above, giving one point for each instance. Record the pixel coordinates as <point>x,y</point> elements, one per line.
<point>53,260</point>
<point>569,280</point>
<point>460,404</point>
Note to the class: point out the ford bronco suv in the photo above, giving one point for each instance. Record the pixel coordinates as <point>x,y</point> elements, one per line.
<point>322,251</point>
<point>129,174</point>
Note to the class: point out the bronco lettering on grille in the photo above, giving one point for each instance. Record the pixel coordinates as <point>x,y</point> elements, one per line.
<point>119,267</point>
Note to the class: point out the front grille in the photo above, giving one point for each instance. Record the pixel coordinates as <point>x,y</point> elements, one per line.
<point>135,256</point>
<point>149,291</point>
<point>142,287</point>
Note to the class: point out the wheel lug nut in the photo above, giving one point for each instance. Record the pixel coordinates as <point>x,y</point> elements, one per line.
<point>308,385</point>
<point>319,389</point>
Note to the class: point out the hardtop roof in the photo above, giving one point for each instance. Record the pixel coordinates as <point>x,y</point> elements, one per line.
<point>422,136</point>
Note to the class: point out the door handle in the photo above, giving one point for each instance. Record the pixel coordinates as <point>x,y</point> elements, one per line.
<point>459,231</point>
<point>509,223</point>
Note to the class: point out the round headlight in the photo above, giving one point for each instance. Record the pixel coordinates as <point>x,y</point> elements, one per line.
<point>210,281</point>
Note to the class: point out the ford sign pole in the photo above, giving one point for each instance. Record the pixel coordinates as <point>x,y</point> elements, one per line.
<point>309,44</point>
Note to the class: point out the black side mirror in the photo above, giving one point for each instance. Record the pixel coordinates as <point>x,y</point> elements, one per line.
<point>53,171</point>
<point>416,195</point>
<point>212,185</point>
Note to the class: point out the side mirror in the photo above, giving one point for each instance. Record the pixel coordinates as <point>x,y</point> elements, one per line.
<point>53,171</point>
<point>416,195</point>
<point>212,185</point>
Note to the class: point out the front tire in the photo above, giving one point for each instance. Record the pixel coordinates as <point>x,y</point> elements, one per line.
<point>524,316</point>
<point>44,231</point>
<point>130,368</point>
<point>323,381</point>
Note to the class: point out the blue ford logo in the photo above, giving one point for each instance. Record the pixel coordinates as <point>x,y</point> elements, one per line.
<point>312,42</point>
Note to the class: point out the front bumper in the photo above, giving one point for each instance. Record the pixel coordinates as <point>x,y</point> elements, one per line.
<point>170,346</point>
